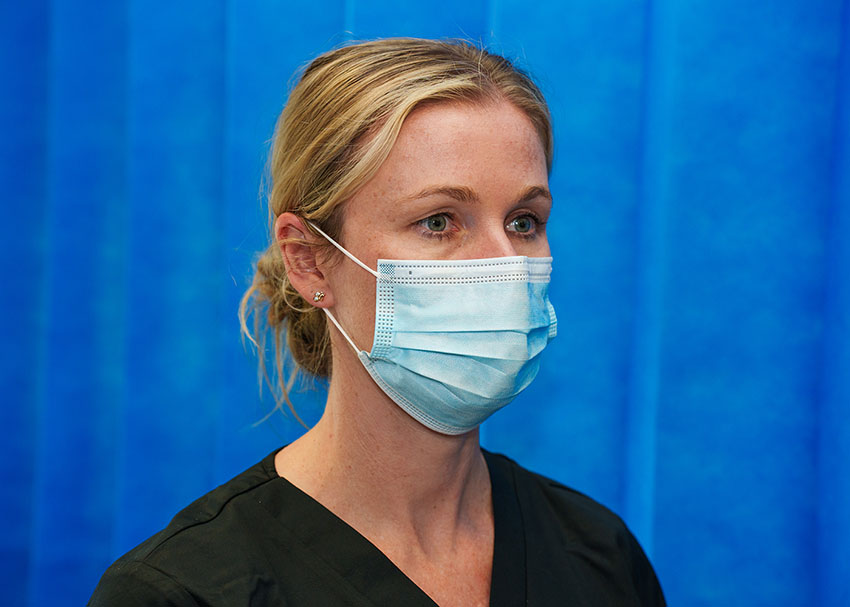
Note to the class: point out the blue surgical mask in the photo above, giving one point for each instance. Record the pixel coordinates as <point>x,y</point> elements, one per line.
<point>456,340</point>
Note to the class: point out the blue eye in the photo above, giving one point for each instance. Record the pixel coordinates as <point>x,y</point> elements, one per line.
<point>436,223</point>
<point>523,224</point>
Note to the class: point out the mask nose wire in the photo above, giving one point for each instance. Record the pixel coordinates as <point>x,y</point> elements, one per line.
<point>359,263</point>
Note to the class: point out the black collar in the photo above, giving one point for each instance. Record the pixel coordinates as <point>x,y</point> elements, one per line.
<point>347,557</point>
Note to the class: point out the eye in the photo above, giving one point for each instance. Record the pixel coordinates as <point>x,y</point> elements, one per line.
<point>524,224</point>
<point>436,223</point>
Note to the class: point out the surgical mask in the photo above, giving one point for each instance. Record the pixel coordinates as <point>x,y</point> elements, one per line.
<point>456,340</point>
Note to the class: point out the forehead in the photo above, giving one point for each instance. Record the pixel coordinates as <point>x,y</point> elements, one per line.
<point>466,124</point>
<point>466,142</point>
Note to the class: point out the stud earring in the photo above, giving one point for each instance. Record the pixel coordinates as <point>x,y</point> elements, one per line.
<point>319,296</point>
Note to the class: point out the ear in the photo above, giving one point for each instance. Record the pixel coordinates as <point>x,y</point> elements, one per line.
<point>297,246</point>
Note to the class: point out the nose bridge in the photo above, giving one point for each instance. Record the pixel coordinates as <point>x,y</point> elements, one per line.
<point>495,242</point>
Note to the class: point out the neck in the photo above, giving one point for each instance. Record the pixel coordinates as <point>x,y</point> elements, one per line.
<point>385,473</point>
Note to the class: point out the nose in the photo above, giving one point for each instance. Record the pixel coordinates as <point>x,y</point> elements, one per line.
<point>493,242</point>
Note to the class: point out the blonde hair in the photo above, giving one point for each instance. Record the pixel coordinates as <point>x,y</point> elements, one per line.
<point>321,156</point>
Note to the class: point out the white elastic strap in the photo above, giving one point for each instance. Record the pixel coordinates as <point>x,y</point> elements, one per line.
<point>347,254</point>
<point>341,330</point>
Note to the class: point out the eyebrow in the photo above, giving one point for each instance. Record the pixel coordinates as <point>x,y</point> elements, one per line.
<point>464,194</point>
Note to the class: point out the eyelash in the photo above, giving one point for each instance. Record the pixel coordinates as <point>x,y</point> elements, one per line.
<point>538,223</point>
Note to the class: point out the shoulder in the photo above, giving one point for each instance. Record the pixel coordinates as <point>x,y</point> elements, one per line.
<point>198,545</point>
<point>575,511</point>
<point>563,522</point>
<point>133,583</point>
<point>211,518</point>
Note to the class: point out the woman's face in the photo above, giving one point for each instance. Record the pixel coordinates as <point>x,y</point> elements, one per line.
<point>463,181</point>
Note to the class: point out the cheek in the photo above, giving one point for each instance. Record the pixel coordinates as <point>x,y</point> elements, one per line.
<point>545,251</point>
<point>354,302</point>
<point>535,247</point>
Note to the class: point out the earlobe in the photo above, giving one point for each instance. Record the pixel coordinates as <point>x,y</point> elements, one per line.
<point>298,249</point>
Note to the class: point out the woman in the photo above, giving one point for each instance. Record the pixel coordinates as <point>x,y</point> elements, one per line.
<point>436,154</point>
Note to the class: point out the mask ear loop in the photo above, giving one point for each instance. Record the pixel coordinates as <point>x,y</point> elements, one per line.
<point>341,248</point>
<point>359,263</point>
<point>341,330</point>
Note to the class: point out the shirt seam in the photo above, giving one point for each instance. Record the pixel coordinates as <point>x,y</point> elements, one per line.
<point>179,585</point>
<point>218,512</point>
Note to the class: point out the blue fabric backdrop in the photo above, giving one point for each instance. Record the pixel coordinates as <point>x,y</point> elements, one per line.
<point>700,384</point>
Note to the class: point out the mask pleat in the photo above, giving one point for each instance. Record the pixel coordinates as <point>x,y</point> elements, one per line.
<point>471,373</point>
<point>470,307</point>
<point>458,390</point>
<point>508,345</point>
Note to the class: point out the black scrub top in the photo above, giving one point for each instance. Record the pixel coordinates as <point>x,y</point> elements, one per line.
<point>259,540</point>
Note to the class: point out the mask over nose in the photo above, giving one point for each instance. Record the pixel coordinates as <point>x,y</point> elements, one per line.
<point>456,340</point>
